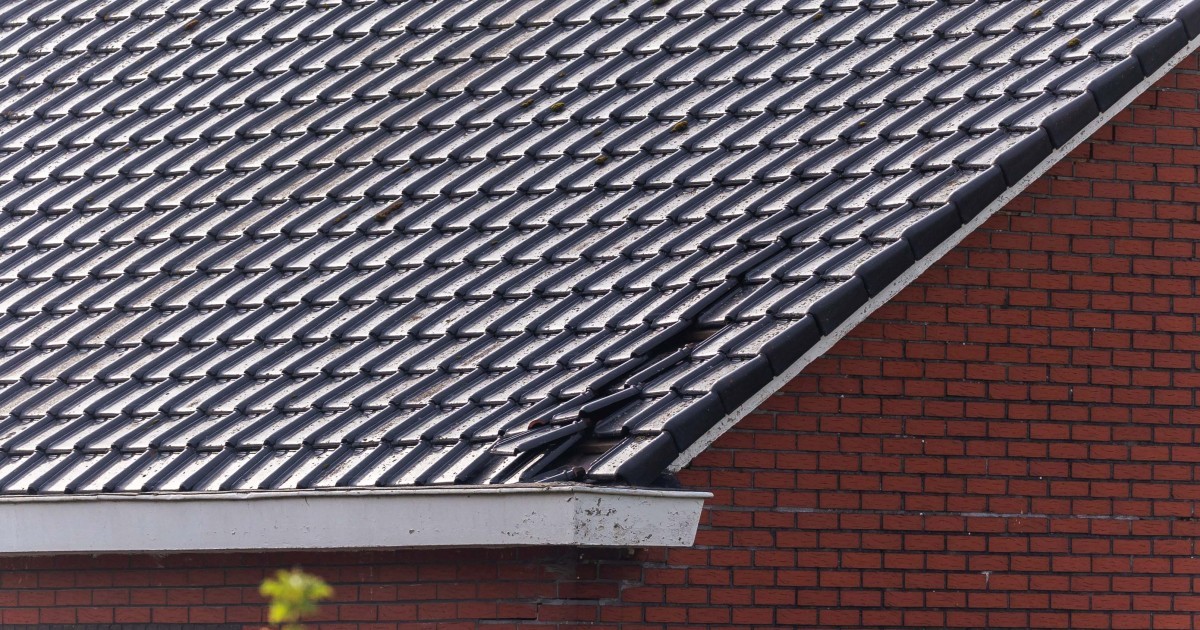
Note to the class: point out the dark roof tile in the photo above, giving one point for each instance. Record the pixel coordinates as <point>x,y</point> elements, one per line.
<point>256,245</point>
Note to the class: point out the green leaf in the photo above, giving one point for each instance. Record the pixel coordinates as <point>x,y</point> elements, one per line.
<point>292,595</point>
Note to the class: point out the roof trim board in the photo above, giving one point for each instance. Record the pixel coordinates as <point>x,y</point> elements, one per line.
<point>944,247</point>
<point>564,514</point>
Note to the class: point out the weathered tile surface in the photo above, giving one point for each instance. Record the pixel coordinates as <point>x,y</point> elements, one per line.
<point>306,244</point>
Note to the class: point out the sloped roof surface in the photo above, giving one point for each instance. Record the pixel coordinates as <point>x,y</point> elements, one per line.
<point>252,244</point>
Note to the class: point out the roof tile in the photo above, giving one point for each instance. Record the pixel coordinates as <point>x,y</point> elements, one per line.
<point>250,245</point>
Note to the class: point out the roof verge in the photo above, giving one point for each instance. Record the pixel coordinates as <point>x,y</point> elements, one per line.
<point>1112,91</point>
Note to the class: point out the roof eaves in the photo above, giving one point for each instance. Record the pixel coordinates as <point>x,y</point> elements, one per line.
<point>559,514</point>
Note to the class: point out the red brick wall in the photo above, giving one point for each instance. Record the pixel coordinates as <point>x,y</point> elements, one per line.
<point>428,588</point>
<point>1012,442</point>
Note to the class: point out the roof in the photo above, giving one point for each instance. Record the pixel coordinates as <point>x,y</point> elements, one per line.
<point>278,245</point>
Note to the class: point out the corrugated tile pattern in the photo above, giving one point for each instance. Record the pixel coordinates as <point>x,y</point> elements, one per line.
<point>252,244</point>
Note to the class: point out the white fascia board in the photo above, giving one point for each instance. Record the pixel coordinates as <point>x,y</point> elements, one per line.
<point>912,273</point>
<point>565,514</point>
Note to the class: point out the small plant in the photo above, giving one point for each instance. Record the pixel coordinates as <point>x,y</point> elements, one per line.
<point>558,107</point>
<point>292,595</point>
<point>679,127</point>
<point>1074,43</point>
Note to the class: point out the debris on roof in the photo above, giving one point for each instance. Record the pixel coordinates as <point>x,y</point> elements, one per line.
<point>290,244</point>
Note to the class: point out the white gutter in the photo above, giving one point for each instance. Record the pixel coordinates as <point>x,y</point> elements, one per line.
<point>912,273</point>
<point>566,514</point>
